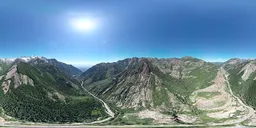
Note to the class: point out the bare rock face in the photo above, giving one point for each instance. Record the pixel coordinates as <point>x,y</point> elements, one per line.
<point>2,119</point>
<point>56,96</point>
<point>134,96</point>
<point>6,86</point>
<point>19,79</point>
<point>147,82</point>
<point>1,77</point>
<point>133,91</point>
<point>235,61</point>
<point>248,69</point>
<point>244,67</point>
<point>12,72</point>
<point>178,68</point>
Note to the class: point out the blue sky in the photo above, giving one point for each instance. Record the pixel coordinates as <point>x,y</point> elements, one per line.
<point>214,30</point>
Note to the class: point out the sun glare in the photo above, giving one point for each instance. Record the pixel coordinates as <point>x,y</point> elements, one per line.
<point>83,24</point>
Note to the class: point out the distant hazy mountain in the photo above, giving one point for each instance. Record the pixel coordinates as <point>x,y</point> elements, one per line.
<point>83,69</point>
<point>40,90</point>
<point>4,65</point>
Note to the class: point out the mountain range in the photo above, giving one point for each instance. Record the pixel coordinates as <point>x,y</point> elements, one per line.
<point>44,90</point>
<point>139,90</point>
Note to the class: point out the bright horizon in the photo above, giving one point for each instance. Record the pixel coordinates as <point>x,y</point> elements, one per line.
<point>87,64</point>
<point>85,33</point>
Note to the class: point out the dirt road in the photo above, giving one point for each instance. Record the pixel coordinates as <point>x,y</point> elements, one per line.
<point>108,110</point>
<point>251,110</point>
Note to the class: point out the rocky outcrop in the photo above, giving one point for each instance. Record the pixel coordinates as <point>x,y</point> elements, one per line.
<point>135,96</point>
<point>1,77</point>
<point>56,96</point>
<point>234,61</point>
<point>26,80</point>
<point>6,86</point>
<point>247,70</point>
<point>18,79</point>
<point>38,60</point>
<point>139,82</point>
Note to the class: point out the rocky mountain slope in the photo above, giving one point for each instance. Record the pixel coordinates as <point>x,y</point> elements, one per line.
<point>66,68</point>
<point>242,77</point>
<point>4,65</point>
<point>39,91</point>
<point>140,91</point>
<point>166,91</point>
<point>149,83</point>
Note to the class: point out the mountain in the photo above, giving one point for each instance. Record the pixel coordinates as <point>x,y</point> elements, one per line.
<point>83,69</point>
<point>67,69</point>
<point>147,82</point>
<point>139,90</point>
<point>5,64</point>
<point>39,91</point>
<point>242,77</point>
<point>162,85</point>
<point>176,90</point>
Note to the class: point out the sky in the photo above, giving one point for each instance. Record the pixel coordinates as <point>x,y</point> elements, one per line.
<point>213,30</point>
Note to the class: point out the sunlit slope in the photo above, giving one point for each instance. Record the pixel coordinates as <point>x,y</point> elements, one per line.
<point>151,85</point>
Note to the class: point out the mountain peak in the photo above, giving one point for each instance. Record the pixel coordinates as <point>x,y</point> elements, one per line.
<point>7,60</point>
<point>23,58</point>
<point>29,58</point>
<point>235,61</point>
<point>35,60</point>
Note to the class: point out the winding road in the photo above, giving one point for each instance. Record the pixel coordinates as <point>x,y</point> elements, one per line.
<point>112,115</point>
<point>225,74</point>
<point>251,110</point>
<point>108,110</point>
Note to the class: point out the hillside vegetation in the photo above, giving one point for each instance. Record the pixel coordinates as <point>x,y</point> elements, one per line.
<point>242,78</point>
<point>43,93</point>
<point>150,83</point>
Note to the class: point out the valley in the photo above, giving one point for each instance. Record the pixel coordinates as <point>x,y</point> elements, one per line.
<point>127,63</point>
<point>173,92</point>
<point>108,110</point>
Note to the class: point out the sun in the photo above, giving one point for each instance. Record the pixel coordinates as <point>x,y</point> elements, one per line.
<point>83,24</point>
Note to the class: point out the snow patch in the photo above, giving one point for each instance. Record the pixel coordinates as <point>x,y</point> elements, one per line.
<point>8,61</point>
<point>23,58</point>
<point>29,58</point>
